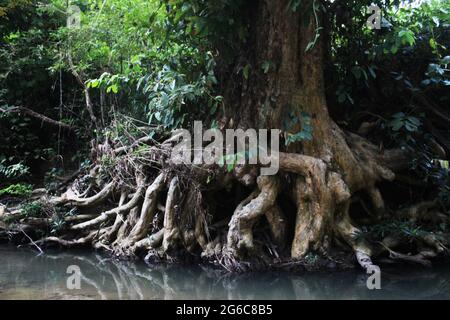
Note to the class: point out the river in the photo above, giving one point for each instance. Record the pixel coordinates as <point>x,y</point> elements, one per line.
<point>26,275</point>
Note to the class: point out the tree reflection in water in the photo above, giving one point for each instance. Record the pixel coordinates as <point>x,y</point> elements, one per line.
<point>26,276</point>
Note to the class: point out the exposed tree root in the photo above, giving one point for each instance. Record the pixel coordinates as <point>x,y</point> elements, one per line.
<point>111,233</point>
<point>151,242</point>
<point>104,216</point>
<point>313,189</point>
<point>80,242</point>
<point>70,197</point>
<point>171,230</point>
<point>138,223</point>
<point>141,228</point>
<point>240,235</point>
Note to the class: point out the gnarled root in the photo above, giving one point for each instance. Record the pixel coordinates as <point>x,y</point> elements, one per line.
<point>321,190</point>
<point>80,242</point>
<point>348,232</point>
<point>317,195</point>
<point>171,231</point>
<point>106,215</point>
<point>111,233</point>
<point>141,228</point>
<point>151,242</point>
<point>240,234</point>
<point>70,197</point>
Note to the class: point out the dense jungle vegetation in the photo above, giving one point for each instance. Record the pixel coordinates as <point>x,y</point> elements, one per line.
<point>91,91</point>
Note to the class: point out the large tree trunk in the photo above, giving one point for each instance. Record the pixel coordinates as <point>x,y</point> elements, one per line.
<point>294,85</point>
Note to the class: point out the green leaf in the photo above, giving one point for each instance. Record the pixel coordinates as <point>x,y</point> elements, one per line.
<point>164,99</point>
<point>115,88</point>
<point>394,49</point>
<point>397,124</point>
<point>406,37</point>
<point>96,84</point>
<point>436,21</point>
<point>444,164</point>
<point>266,66</point>
<point>410,127</point>
<point>433,43</point>
<point>415,121</point>
<point>246,71</point>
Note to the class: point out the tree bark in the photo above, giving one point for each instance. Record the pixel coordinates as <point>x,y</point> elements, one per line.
<point>339,163</point>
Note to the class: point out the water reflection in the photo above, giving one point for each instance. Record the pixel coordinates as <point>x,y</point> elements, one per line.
<point>23,275</point>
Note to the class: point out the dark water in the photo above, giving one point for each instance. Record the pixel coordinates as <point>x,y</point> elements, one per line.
<point>24,275</point>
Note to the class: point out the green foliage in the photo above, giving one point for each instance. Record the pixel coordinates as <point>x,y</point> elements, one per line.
<point>426,166</point>
<point>33,209</point>
<point>402,121</point>
<point>411,35</point>
<point>173,98</point>
<point>25,56</point>
<point>58,224</point>
<point>17,190</point>
<point>231,160</point>
<point>438,74</point>
<point>151,51</point>
<point>384,76</point>
<point>58,215</point>
<point>13,171</point>
<point>41,209</point>
<point>246,71</point>
<point>293,121</point>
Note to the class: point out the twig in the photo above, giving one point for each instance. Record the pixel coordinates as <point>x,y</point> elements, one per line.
<point>38,116</point>
<point>32,242</point>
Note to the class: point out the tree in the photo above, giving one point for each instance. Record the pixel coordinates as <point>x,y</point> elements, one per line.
<point>275,79</point>
<point>330,167</point>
